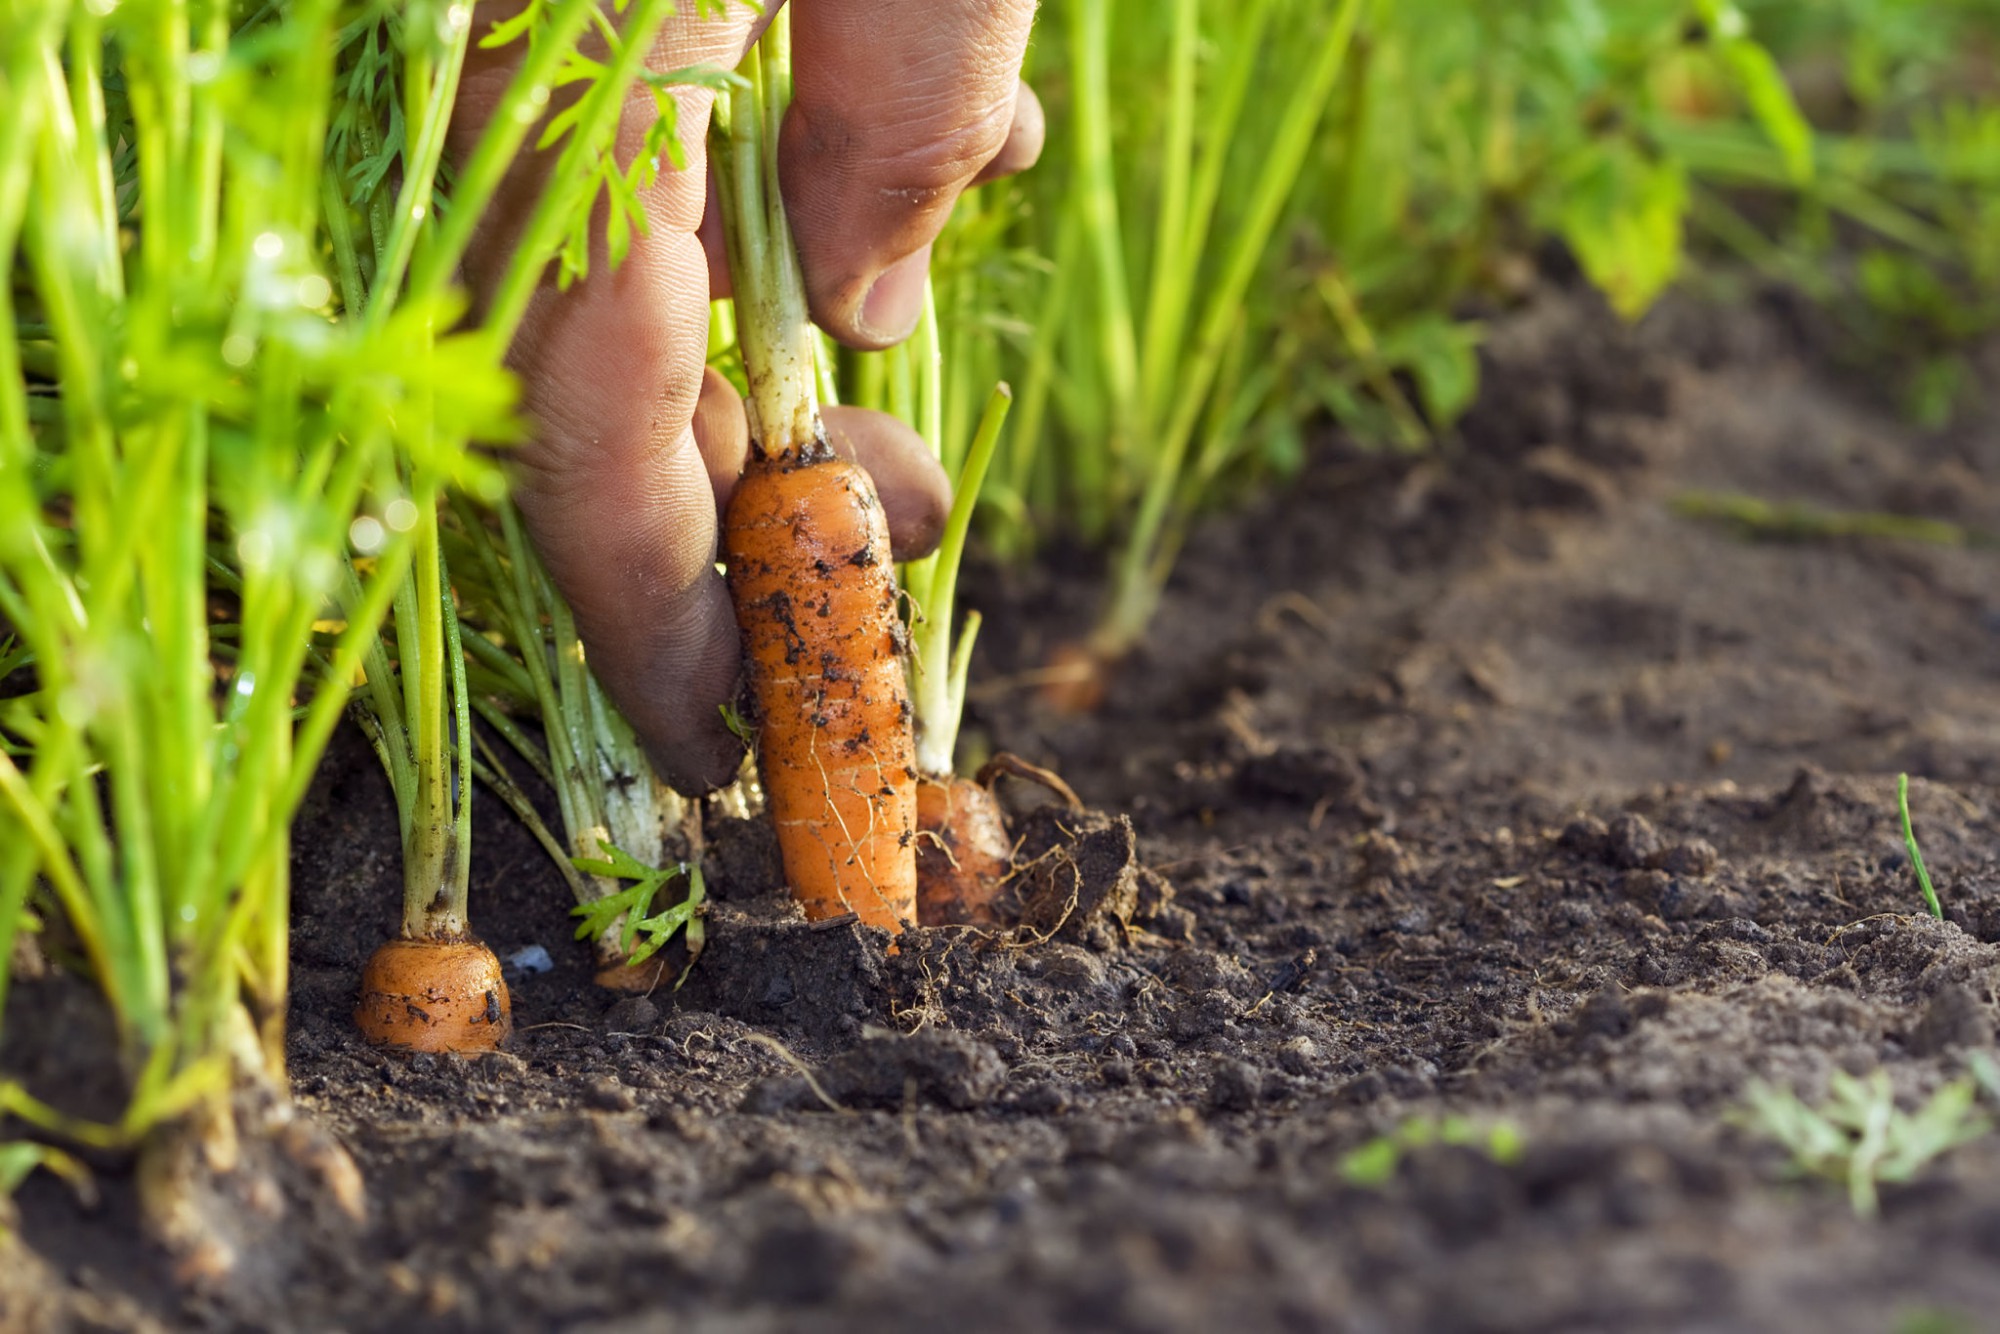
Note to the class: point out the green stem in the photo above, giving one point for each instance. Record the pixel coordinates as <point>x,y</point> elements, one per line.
<point>1090,35</point>
<point>490,771</point>
<point>434,855</point>
<point>519,110</point>
<point>1176,253</point>
<point>527,609</point>
<point>1137,575</point>
<point>421,159</point>
<point>31,809</point>
<point>1056,311</point>
<point>939,691</point>
<point>773,331</point>
<point>1916,855</point>
<point>517,737</point>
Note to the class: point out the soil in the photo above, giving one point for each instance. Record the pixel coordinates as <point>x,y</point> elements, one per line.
<point>1477,792</point>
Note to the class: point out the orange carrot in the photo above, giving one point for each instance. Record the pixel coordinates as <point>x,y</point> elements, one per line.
<point>433,988</point>
<point>639,979</point>
<point>808,553</point>
<point>815,593</point>
<point>963,853</point>
<point>434,995</point>
<point>1076,679</point>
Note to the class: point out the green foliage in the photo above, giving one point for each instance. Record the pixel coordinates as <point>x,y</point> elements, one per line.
<point>178,398</point>
<point>1859,1136</point>
<point>1247,219</point>
<point>233,353</point>
<point>644,932</point>
<point>20,1157</point>
<point>1935,1320</point>
<point>1898,231</point>
<point>1375,1163</point>
<point>738,728</point>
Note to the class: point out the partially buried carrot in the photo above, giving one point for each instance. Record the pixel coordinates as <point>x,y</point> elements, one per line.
<point>963,853</point>
<point>434,988</point>
<point>434,995</point>
<point>810,570</point>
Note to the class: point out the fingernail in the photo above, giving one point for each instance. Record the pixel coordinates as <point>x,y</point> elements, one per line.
<point>890,311</point>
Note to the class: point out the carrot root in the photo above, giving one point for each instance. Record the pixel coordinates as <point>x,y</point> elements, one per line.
<point>811,576</point>
<point>434,996</point>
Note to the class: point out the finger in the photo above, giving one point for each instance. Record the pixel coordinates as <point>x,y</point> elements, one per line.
<point>915,494</point>
<point>614,482</point>
<point>721,433</point>
<point>713,242</point>
<point>1025,137</point>
<point>897,105</point>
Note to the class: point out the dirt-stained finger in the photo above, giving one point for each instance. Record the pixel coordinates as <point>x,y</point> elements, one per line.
<point>915,493</point>
<point>1025,138</point>
<point>721,433</point>
<point>615,483</point>
<point>897,106</point>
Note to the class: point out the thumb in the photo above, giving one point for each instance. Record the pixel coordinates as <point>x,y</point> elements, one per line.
<point>897,106</point>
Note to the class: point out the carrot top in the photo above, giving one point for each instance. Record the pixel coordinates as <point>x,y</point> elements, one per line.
<point>773,327</point>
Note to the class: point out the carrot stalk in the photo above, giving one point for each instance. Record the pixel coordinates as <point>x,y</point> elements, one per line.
<point>810,572</point>
<point>941,664</point>
<point>963,850</point>
<point>612,803</point>
<point>434,987</point>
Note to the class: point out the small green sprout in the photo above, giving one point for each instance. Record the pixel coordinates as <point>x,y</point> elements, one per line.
<point>642,935</point>
<point>1910,842</point>
<point>1374,1163</point>
<point>1859,1136</point>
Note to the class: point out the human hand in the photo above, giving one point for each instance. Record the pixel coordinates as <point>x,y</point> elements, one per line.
<point>898,105</point>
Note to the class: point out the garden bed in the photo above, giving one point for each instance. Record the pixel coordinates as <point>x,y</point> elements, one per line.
<point>1486,787</point>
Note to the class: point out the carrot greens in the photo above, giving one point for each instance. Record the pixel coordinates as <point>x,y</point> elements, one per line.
<point>616,812</point>
<point>1255,215</point>
<point>231,356</point>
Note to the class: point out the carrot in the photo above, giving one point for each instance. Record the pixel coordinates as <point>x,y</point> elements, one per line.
<point>434,987</point>
<point>963,853</point>
<point>1076,678</point>
<point>810,572</point>
<point>434,995</point>
<point>639,979</point>
<point>815,593</point>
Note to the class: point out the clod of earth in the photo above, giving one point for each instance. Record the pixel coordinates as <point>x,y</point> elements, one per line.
<point>1080,876</point>
<point>965,856</point>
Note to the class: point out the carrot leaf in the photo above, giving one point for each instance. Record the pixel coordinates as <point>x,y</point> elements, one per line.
<point>644,932</point>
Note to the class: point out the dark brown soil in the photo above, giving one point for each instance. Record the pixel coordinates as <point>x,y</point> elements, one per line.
<point>1478,785</point>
